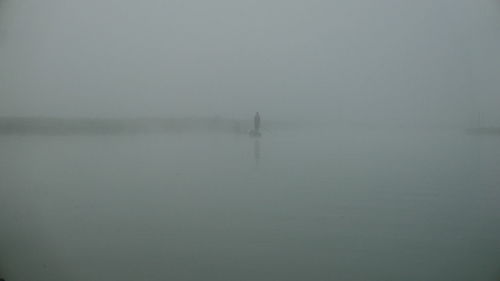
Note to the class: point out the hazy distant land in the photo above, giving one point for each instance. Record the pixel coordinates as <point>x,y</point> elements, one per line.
<point>61,126</point>
<point>484,131</point>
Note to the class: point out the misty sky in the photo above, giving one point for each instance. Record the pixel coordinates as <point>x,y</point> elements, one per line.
<point>386,61</point>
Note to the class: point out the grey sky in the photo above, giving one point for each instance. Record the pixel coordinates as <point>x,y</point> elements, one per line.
<point>422,61</point>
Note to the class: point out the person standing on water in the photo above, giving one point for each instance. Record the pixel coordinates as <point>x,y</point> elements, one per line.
<point>256,122</point>
<point>255,132</point>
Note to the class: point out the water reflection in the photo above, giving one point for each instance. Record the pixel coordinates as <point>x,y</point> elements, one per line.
<point>256,150</point>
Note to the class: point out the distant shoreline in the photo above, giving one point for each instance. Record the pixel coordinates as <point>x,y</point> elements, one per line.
<point>145,125</point>
<point>484,131</point>
<point>62,126</point>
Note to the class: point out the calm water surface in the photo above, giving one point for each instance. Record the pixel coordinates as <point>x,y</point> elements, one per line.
<point>316,205</point>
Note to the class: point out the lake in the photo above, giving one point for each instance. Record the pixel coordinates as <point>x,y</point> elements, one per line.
<point>315,204</point>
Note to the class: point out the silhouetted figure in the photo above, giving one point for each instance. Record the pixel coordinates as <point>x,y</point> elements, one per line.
<point>255,132</point>
<point>256,122</point>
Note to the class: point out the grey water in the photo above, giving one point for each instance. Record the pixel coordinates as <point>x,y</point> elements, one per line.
<point>346,204</point>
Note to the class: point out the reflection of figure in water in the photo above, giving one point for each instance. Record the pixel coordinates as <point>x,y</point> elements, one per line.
<point>255,132</point>
<point>256,150</point>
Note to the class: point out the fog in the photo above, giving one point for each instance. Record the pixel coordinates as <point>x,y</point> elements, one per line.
<point>426,62</point>
<point>126,154</point>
